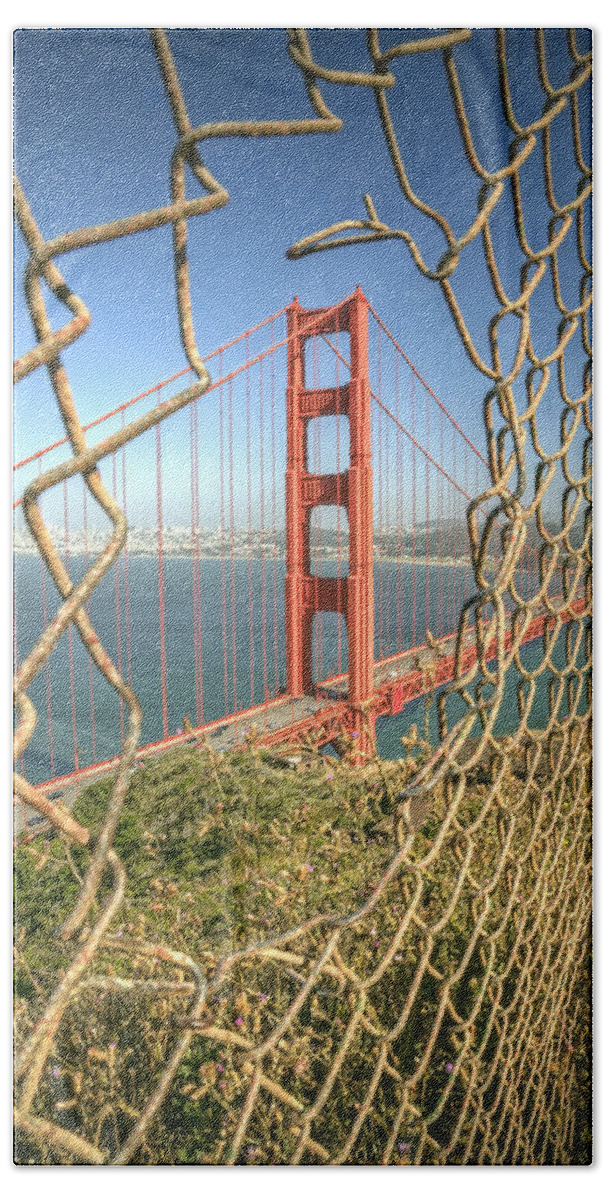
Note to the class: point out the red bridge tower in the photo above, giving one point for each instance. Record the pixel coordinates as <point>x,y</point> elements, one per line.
<point>305,593</point>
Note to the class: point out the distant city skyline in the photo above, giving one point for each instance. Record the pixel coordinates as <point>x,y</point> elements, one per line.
<point>242,541</point>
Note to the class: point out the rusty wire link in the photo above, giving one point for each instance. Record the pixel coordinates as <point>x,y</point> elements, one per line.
<point>432,1054</point>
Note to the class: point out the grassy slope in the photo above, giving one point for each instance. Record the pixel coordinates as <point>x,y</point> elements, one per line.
<point>221,852</point>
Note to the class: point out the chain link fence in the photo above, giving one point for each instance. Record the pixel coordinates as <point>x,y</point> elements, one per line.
<point>446,1018</point>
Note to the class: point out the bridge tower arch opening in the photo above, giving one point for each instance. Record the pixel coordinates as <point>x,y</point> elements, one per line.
<point>351,594</point>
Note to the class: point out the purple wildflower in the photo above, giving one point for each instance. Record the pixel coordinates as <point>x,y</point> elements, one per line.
<point>263,997</point>
<point>55,1072</point>
<point>220,1066</point>
<point>403,1147</point>
<point>449,1067</point>
<point>239,1021</point>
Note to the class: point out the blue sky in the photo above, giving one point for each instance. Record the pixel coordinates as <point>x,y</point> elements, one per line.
<point>94,137</point>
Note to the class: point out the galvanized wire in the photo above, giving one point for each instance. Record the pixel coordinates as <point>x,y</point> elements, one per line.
<point>451,1039</point>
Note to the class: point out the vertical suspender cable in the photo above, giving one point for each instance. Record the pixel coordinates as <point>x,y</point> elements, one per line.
<point>70,628</point>
<point>126,562</point>
<point>16,801</point>
<point>199,590</point>
<point>318,618</point>
<point>161,582</point>
<point>275,599</point>
<point>380,507</point>
<point>117,607</point>
<point>439,553</point>
<point>428,517</point>
<point>399,566</point>
<point>338,504</point>
<point>47,665</point>
<point>414,486</point>
<point>232,562</point>
<point>88,611</point>
<point>263,533</point>
<point>456,541</point>
<point>193,559</point>
<point>387,539</point>
<point>464,531</point>
<point>223,544</point>
<point>249,526</point>
<point>195,551</point>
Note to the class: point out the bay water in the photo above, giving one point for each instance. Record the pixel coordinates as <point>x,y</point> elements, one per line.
<point>243,650</point>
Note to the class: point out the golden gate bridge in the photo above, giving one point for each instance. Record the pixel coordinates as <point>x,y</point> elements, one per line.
<point>312,412</point>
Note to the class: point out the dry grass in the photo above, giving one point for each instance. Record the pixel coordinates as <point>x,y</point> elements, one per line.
<point>221,852</point>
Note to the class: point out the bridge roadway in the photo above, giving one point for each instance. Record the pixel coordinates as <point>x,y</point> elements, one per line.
<point>322,718</point>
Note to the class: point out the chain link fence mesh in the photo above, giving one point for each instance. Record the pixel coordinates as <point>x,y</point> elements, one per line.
<point>438,1022</point>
